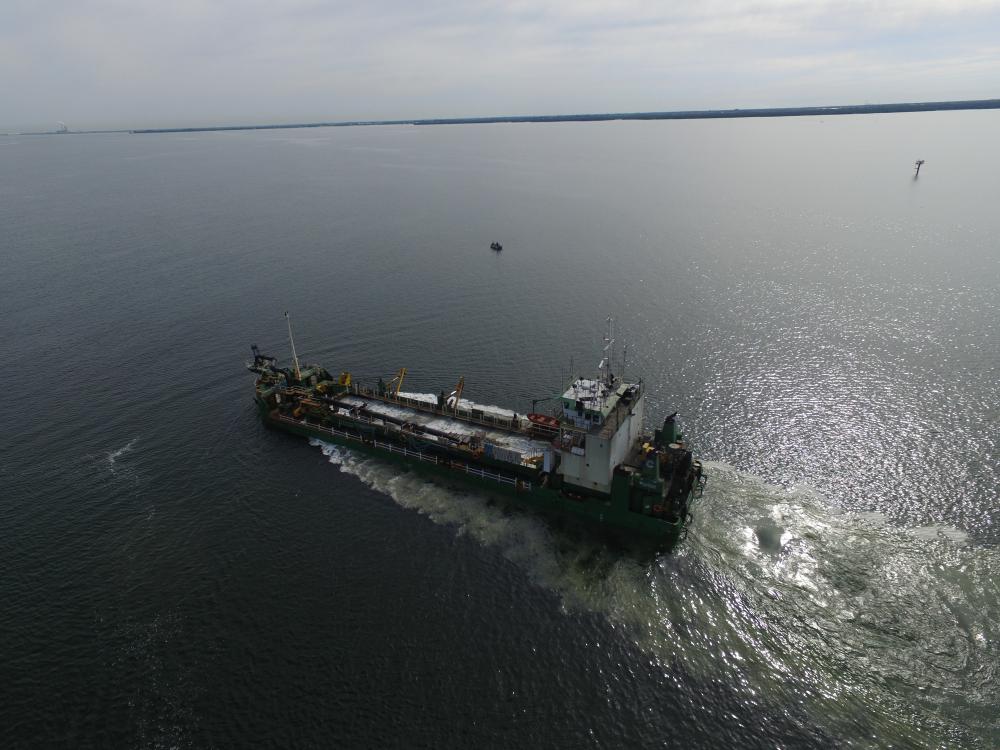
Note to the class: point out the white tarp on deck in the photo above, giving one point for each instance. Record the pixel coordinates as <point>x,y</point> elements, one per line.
<point>523,444</point>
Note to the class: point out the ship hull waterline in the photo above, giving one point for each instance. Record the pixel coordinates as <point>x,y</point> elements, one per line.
<point>591,513</point>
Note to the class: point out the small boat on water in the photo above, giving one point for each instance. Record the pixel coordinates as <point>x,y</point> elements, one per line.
<point>496,246</point>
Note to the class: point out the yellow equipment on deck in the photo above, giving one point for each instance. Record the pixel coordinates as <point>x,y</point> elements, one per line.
<point>398,380</point>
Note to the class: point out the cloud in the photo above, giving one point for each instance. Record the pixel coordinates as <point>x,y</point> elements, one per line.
<point>107,62</point>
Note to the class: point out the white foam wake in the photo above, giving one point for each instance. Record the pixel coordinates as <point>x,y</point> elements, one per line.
<point>776,592</point>
<point>114,455</point>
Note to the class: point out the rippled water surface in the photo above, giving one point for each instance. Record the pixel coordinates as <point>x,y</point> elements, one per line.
<point>175,575</point>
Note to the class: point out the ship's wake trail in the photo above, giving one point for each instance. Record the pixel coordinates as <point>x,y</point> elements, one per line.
<point>878,635</point>
<point>114,455</point>
<point>111,462</point>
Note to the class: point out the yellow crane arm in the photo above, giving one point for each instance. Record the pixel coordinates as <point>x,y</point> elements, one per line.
<point>458,391</point>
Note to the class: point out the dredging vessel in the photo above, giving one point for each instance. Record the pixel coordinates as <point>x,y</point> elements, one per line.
<point>589,459</point>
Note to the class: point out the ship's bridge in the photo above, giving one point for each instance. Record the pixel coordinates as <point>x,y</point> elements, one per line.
<point>599,405</point>
<point>606,419</point>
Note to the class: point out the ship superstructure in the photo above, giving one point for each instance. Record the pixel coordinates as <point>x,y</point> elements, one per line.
<point>589,459</point>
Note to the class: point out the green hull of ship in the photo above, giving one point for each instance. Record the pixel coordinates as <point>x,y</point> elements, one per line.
<point>594,512</point>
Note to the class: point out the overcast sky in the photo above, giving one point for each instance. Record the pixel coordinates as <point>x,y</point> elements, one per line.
<point>131,63</point>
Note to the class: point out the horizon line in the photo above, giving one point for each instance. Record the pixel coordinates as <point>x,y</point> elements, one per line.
<point>704,114</point>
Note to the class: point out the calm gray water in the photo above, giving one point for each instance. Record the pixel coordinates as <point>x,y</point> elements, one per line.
<point>174,575</point>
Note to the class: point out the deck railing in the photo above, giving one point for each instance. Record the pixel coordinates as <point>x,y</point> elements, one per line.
<point>454,465</point>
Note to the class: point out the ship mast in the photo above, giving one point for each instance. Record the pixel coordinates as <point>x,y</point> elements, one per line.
<point>295,357</point>
<point>609,350</point>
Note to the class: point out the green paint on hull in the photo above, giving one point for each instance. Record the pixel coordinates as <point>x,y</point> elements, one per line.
<point>591,511</point>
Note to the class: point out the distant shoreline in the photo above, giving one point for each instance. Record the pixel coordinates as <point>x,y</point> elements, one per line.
<point>704,114</point>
